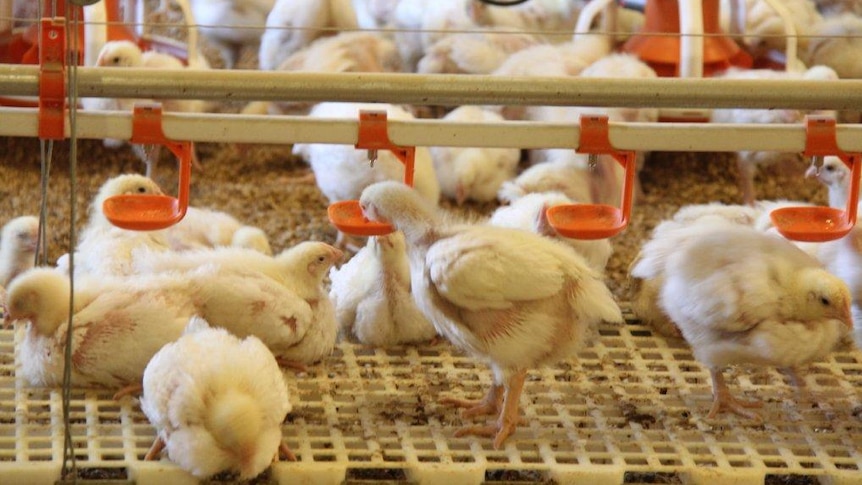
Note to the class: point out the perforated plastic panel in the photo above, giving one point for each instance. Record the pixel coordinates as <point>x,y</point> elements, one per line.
<point>631,408</point>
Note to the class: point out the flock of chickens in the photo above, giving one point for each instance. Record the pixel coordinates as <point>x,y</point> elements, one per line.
<point>206,316</point>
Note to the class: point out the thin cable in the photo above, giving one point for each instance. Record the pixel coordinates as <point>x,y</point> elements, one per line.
<point>72,89</point>
<point>46,148</point>
<point>503,3</point>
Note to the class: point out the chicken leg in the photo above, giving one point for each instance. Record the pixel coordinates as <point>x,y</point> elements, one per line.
<point>128,391</point>
<point>156,448</point>
<point>723,401</point>
<point>508,420</point>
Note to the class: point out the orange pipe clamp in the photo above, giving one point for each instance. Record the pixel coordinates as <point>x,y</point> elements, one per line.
<point>373,135</point>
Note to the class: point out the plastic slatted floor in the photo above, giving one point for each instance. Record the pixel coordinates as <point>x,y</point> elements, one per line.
<point>632,406</point>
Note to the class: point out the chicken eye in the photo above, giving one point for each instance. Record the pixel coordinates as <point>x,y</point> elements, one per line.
<point>321,259</point>
<point>829,168</point>
<point>142,190</point>
<point>825,301</point>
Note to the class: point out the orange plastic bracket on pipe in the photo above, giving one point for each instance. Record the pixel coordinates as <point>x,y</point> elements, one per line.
<point>147,212</point>
<point>596,221</point>
<point>818,224</point>
<point>52,80</point>
<point>373,135</point>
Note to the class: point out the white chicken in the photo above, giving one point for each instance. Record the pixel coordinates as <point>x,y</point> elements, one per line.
<point>18,241</point>
<point>117,326</point>
<point>836,7</point>
<point>508,297</point>
<point>748,161</point>
<point>107,250</point>
<point>764,28</point>
<point>230,25</point>
<point>418,24</point>
<point>343,52</point>
<point>740,296</point>
<point>473,173</point>
<point>293,24</point>
<point>374,14</point>
<point>217,403</point>
<point>568,175</point>
<point>203,227</point>
<point>280,299</point>
<point>646,272</point>
<point>835,175</point>
<point>372,295</point>
<point>528,213</point>
<point>837,42</point>
<point>472,52</point>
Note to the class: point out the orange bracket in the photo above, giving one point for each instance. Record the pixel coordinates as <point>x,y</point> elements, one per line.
<point>596,221</point>
<point>152,212</point>
<point>818,224</point>
<point>52,80</point>
<point>346,215</point>
<point>374,135</point>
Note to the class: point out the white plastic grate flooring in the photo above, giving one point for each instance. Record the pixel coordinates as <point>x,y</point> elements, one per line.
<point>630,409</point>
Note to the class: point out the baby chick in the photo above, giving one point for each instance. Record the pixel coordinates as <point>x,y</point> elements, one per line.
<point>508,297</point>
<point>740,296</point>
<point>372,296</point>
<point>217,403</point>
<point>18,242</point>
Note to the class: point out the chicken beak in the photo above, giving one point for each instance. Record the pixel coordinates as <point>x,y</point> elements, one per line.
<point>336,254</point>
<point>847,317</point>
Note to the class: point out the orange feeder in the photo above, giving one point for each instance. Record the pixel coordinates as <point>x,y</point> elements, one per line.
<point>658,43</point>
<point>152,212</point>
<point>596,221</point>
<point>818,224</point>
<point>346,215</point>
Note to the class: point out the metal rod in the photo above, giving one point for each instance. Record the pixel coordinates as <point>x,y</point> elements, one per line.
<point>229,128</point>
<point>442,89</point>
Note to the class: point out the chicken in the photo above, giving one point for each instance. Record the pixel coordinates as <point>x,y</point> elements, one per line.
<point>217,403</point>
<point>552,18</point>
<point>479,52</point>
<point>211,228</point>
<point>567,59</point>
<point>374,14</point>
<point>843,258</point>
<point>117,326</point>
<point>528,213</point>
<point>293,24</point>
<point>646,272</point>
<point>18,242</point>
<point>344,52</point>
<point>837,42</point>
<point>342,171</point>
<point>568,175</point>
<point>473,173</point>
<point>508,297</point>
<point>280,299</point>
<point>419,24</point>
<point>748,161</point>
<point>831,8</point>
<point>107,250</point>
<point>372,295</point>
<point>743,297</point>
<point>626,66</point>
<point>124,53</point>
<point>836,177</point>
<point>230,25</point>
<point>764,28</point>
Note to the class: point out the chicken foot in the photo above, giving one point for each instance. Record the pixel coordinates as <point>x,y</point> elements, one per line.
<point>723,401</point>
<point>508,420</point>
<point>284,451</point>
<point>491,404</point>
